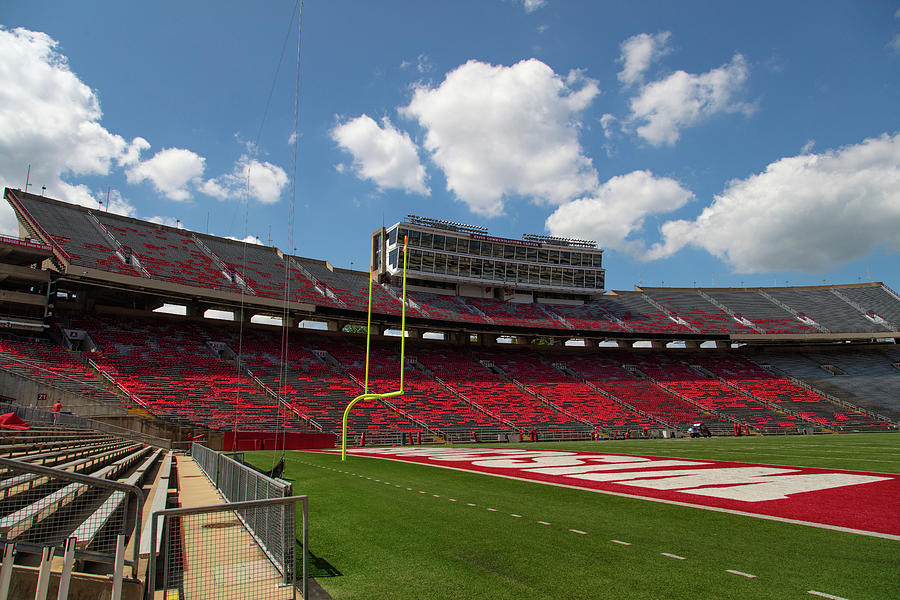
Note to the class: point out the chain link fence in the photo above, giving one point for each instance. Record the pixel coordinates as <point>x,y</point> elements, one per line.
<point>273,528</point>
<point>208,554</point>
<point>42,507</point>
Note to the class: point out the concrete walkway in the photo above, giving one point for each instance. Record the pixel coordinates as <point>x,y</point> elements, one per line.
<point>219,559</point>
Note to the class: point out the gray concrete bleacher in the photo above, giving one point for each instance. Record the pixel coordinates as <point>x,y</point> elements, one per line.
<point>55,367</point>
<point>761,311</point>
<point>72,229</point>
<point>640,315</point>
<point>867,378</point>
<point>826,309</point>
<point>168,254</point>
<point>698,311</point>
<point>260,266</point>
<point>877,299</point>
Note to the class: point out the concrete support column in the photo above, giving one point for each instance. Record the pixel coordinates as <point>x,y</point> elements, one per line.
<point>194,310</point>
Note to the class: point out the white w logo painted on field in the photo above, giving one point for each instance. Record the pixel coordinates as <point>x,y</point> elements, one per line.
<point>744,483</point>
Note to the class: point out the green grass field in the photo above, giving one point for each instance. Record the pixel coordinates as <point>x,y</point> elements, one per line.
<point>383,529</point>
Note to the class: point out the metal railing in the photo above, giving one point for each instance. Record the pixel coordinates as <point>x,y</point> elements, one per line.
<point>43,507</point>
<point>32,414</point>
<point>206,554</point>
<point>274,532</point>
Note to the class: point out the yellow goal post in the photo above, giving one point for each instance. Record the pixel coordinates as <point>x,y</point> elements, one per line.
<point>375,396</point>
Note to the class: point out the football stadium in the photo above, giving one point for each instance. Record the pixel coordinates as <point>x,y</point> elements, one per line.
<point>523,431</point>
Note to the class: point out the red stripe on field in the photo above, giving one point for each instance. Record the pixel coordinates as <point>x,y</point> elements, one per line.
<point>863,501</point>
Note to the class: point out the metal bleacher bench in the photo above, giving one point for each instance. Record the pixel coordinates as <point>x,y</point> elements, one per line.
<point>9,486</point>
<point>88,530</point>
<point>158,503</point>
<point>14,524</point>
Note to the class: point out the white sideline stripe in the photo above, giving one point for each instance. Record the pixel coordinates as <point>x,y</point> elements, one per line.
<point>578,531</point>
<point>675,556</point>
<point>730,511</point>
<point>620,542</point>
<point>741,573</point>
<point>824,595</point>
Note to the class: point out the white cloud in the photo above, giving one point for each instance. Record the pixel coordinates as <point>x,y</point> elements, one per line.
<point>170,221</point>
<point>132,154</point>
<point>662,108</point>
<point>171,171</point>
<point>382,154</point>
<point>806,212</point>
<point>422,64</point>
<point>497,131</point>
<point>894,44</point>
<point>250,239</point>
<point>606,122</point>
<point>50,119</point>
<point>119,205</point>
<point>532,5</point>
<point>262,180</point>
<point>638,52</point>
<point>618,210</point>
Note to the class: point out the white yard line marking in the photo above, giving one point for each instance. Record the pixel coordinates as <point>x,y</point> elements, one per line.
<point>578,531</point>
<point>675,556</point>
<point>824,595</point>
<point>516,516</point>
<point>543,523</point>
<point>741,573</point>
<point>620,542</point>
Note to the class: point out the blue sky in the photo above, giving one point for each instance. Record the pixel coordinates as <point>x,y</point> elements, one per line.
<point>717,143</point>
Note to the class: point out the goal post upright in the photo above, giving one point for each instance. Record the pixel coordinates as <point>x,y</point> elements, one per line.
<point>374,396</point>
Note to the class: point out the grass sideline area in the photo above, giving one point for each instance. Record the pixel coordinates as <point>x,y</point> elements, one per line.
<point>384,529</point>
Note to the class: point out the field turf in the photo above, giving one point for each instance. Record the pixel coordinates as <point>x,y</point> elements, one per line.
<point>384,529</point>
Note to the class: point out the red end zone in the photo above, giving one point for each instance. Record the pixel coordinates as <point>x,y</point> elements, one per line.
<point>861,502</point>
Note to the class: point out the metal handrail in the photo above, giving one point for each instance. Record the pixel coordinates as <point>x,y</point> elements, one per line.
<point>128,489</point>
<point>32,413</point>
